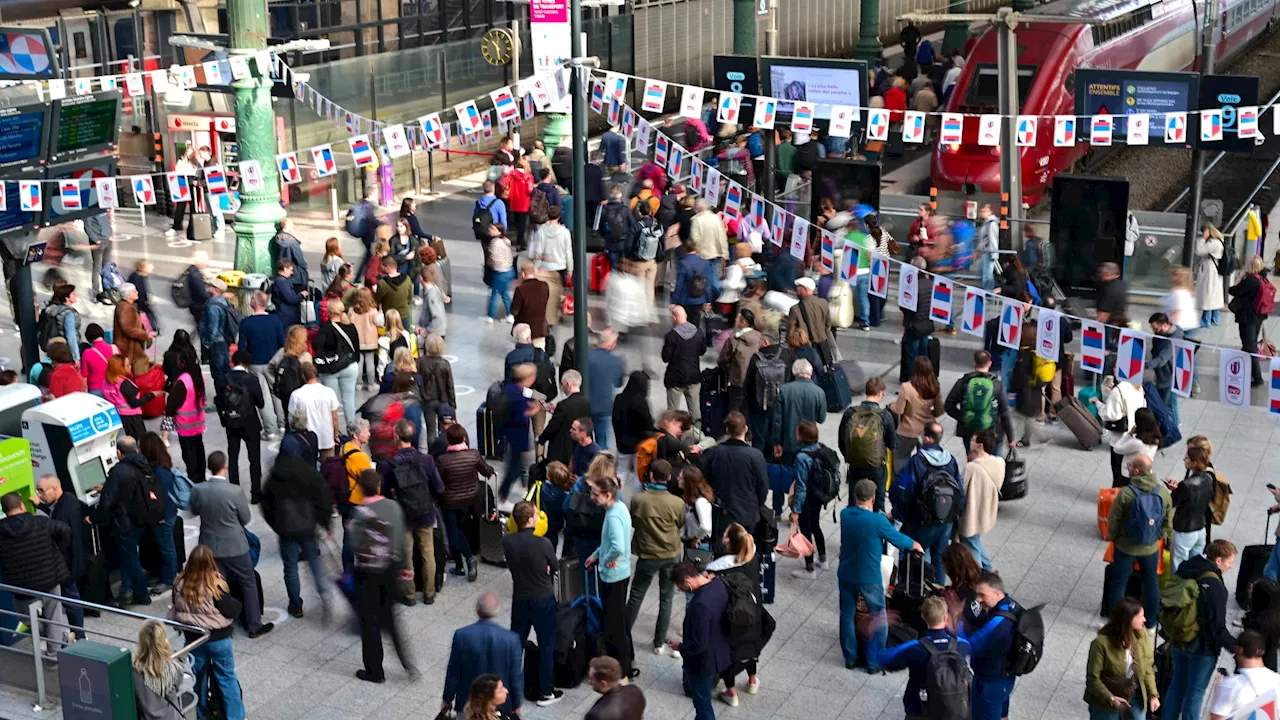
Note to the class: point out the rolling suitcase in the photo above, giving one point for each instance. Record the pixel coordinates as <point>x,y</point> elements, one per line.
<point>200,226</point>
<point>532,678</point>
<point>1106,498</point>
<point>1082,423</point>
<point>493,525</point>
<point>492,444</point>
<point>571,646</point>
<point>569,579</point>
<point>1253,558</point>
<point>712,402</point>
<point>910,588</point>
<point>768,576</point>
<point>836,386</point>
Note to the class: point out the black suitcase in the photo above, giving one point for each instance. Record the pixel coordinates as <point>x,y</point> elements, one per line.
<point>488,434</point>
<point>711,401</point>
<point>1132,589</point>
<point>912,579</point>
<point>935,355</point>
<point>493,525</point>
<point>571,646</point>
<point>768,577</point>
<point>1253,558</point>
<point>95,584</point>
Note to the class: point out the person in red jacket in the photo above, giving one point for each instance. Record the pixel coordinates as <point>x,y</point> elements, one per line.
<point>65,377</point>
<point>895,100</point>
<point>521,190</point>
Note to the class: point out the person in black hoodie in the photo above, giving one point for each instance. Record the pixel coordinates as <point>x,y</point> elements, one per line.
<point>1191,499</point>
<point>296,503</point>
<point>682,352</point>
<point>1194,662</point>
<point>632,423</point>
<point>67,508</point>
<point>31,557</point>
<point>574,406</point>
<point>120,509</point>
<point>242,423</point>
<point>738,475</point>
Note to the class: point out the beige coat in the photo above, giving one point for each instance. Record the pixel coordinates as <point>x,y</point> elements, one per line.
<point>1208,280</point>
<point>709,237</point>
<point>915,412</point>
<point>982,480</point>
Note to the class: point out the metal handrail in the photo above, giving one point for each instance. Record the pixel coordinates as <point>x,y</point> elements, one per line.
<point>1187,190</point>
<point>34,621</point>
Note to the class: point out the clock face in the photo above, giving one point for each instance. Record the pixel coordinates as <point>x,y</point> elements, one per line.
<point>496,47</point>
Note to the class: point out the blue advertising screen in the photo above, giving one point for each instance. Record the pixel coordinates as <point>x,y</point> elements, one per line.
<point>1128,92</point>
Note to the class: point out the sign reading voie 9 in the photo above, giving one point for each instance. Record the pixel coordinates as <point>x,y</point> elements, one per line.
<point>738,74</point>
<point>1226,93</point>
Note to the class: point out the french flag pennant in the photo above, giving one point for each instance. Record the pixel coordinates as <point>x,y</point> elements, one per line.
<point>842,117</point>
<point>1137,129</point>
<point>432,131</point>
<point>469,121</point>
<point>179,187</point>
<point>940,305</point>
<point>766,113</point>
<point>597,97</point>
<point>913,127</point>
<point>879,275</point>
<point>486,123</point>
<point>675,162</point>
<point>1100,129</point>
<point>362,151</point>
<point>690,101</point>
<point>1131,356</point>
<point>615,112</point>
<point>877,124</point>
<point>975,312</point>
<point>1247,121</point>
<point>1010,334</point>
<point>1273,387</point>
<point>144,190</point>
<point>1210,125</point>
<point>799,238</point>
<point>398,145</point>
<point>1064,131</point>
<point>1049,334</point>
<point>757,210</point>
<point>288,164</point>
<point>628,121</point>
<point>1093,345</point>
<point>528,108</point>
<point>323,157</point>
<point>215,179</point>
<point>802,117</point>
<point>655,96</point>
<point>952,130</point>
<point>159,80</point>
<point>643,132</point>
<point>505,104</point>
<point>849,262</point>
<point>69,194</point>
<point>729,108</point>
<point>105,188</point>
<point>1234,371</point>
<point>239,67</point>
<point>212,73</point>
<point>661,147</point>
<point>733,201</point>
<point>133,85</point>
<point>1026,130</point>
<point>828,251</point>
<point>711,186</point>
<point>908,287</point>
<point>251,177</point>
<point>779,226</point>
<point>1184,367</point>
<point>615,85</point>
<point>30,199</point>
<point>1175,127</point>
<point>697,175</point>
<point>989,130</point>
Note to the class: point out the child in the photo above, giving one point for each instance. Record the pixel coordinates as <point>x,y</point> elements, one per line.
<point>395,337</point>
<point>367,319</point>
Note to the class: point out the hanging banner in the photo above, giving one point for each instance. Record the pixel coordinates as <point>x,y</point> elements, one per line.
<point>913,127</point>
<point>877,125</point>
<point>697,175</point>
<point>1273,387</point>
<point>952,132</point>
<point>322,156</point>
<point>1010,335</point>
<point>766,113</point>
<point>505,104</point>
<point>802,117</point>
<point>30,197</point>
<point>642,136</point>
<point>1026,130</point>
<point>1210,125</point>
<point>1234,369</point>
<point>711,186</point>
<point>730,104</point>
<point>655,96</point>
<point>675,163</point>
<point>215,180</point>
<point>1093,346</point>
<point>1184,363</point>
<point>1175,127</point>
<point>615,85</point>
<point>908,287</point>
<point>144,190</point>
<point>1137,129</point>
<point>940,306</point>
<point>879,276</point>
<point>1100,130</point>
<point>1064,131</point>
<point>1131,356</point>
<point>733,201</point>
<point>799,238</point>
<point>975,312</point>
<point>179,187</point>
<point>828,251</point>
<point>69,194</point>
<point>989,130</point>
<point>1049,334</point>
<point>398,145</point>
<point>288,165</point>
<point>779,225</point>
<point>362,151</point>
<point>661,148</point>
<point>691,102</point>
<point>849,262</point>
<point>252,179</point>
<point>108,198</point>
<point>550,40</point>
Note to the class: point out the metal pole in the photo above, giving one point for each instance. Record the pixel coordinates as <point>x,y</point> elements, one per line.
<point>515,73</point>
<point>744,27</point>
<point>770,148</point>
<point>581,346</point>
<point>20,289</point>
<point>34,611</point>
<point>1214,8</point>
<point>1010,153</point>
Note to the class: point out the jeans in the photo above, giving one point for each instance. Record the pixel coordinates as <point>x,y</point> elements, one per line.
<point>133,579</point>
<point>987,270</point>
<point>1187,545</point>
<point>1272,570</point>
<point>1188,680</point>
<point>1171,401</point>
<point>974,543</point>
<point>272,412</point>
<point>690,393</point>
<point>1120,571</point>
<point>934,539</point>
<point>218,656</point>
<point>162,534</point>
<point>913,346</point>
<point>991,697</point>
<point>459,549</point>
<point>252,439</point>
<point>1209,318</point>
<point>75,613</point>
<point>700,688</point>
<point>98,255</point>
<point>369,368</point>
<point>425,538</point>
<point>861,293</point>
<point>541,616</point>
<point>603,422</point>
<point>877,310</point>
<point>876,475</point>
<point>219,355</point>
<point>291,550</point>
<point>500,287</point>
<point>874,597</point>
<point>343,384</point>
<point>1135,712</point>
<point>645,570</point>
<point>811,528</point>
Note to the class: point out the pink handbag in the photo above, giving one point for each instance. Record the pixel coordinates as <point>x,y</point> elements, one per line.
<point>795,546</point>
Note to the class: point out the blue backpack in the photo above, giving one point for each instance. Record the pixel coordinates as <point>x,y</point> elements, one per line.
<point>1146,516</point>
<point>1164,417</point>
<point>924,54</point>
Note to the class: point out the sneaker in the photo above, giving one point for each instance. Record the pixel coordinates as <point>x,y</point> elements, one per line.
<point>256,498</point>
<point>730,698</point>
<point>488,321</point>
<point>160,589</point>
<point>459,572</point>
<point>266,628</point>
<point>170,233</point>
<point>417,301</point>
<point>473,571</point>
<point>296,611</point>
<point>666,651</point>
<point>753,686</point>
<point>510,320</point>
<point>551,699</point>
<point>866,328</point>
<point>804,574</point>
<point>823,564</point>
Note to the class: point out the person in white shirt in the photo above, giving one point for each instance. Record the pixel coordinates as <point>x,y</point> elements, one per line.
<point>1251,681</point>
<point>1180,303</point>
<point>1143,438</point>
<point>1119,401</point>
<point>551,245</point>
<point>320,403</point>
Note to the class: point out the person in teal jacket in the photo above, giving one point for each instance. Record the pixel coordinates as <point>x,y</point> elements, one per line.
<point>613,558</point>
<point>799,400</point>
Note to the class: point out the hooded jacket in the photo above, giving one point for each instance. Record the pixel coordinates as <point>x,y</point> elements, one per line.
<point>1118,520</point>
<point>296,500</point>
<point>1191,501</point>
<point>119,503</point>
<point>395,293</point>
<point>1211,612</point>
<point>735,356</point>
<point>632,419</point>
<point>31,549</point>
<point>682,352</point>
<point>905,491</point>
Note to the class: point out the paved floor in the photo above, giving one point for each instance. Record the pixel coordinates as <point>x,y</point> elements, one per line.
<point>1046,545</point>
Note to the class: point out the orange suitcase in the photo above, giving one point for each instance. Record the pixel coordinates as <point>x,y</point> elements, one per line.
<point>1106,497</point>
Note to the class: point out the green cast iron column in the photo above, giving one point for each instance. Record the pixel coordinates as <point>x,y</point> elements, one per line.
<point>744,27</point>
<point>868,47</point>
<point>956,33</point>
<point>255,222</point>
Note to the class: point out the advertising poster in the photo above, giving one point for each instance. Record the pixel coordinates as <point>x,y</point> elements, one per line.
<point>1121,93</point>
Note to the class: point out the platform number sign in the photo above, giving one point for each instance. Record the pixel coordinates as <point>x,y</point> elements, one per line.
<point>1229,93</point>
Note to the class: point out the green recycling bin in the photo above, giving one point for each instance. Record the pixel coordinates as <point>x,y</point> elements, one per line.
<point>96,682</point>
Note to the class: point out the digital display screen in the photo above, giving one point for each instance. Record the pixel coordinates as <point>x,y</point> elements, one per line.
<point>825,86</point>
<point>1086,229</point>
<point>1129,92</point>
<point>91,473</point>
<point>21,136</point>
<point>84,125</point>
<point>12,219</point>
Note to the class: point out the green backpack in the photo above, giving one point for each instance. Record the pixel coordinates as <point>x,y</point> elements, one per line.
<point>1180,607</point>
<point>976,410</point>
<point>863,443</point>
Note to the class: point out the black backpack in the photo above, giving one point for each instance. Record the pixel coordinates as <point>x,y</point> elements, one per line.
<point>236,406</point>
<point>698,285</point>
<point>151,504</point>
<point>413,489</point>
<point>538,207</point>
<point>947,679</point>
<point>495,401</point>
<point>180,291</point>
<point>545,383</point>
<point>824,475</point>
<point>617,222</point>
<point>52,325</point>
<point>232,320</point>
<point>288,377</point>
<point>482,219</point>
<point>1028,639</point>
<point>940,494</point>
<point>742,613</point>
<point>768,373</point>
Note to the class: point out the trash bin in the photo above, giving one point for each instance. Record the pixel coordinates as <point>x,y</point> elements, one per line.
<point>96,681</point>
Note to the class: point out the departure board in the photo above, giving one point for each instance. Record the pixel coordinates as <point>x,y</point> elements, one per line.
<point>21,135</point>
<point>85,125</point>
<point>12,218</point>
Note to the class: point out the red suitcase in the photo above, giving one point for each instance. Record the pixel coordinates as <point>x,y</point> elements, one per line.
<point>152,381</point>
<point>600,268</point>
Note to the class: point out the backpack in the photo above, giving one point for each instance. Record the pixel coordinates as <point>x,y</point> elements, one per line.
<point>1229,262</point>
<point>768,373</point>
<point>180,494</point>
<point>236,406</point>
<point>863,441</point>
<point>538,206</point>
<point>413,489</point>
<point>616,222</point>
<point>288,377</point>
<point>503,188</point>
<point>1028,640</point>
<point>698,285</point>
<point>1146,516</point>
<point>646,451</point>
<point>975,409</point>
<point>150,507</point>
<point>1180,607</point>
<point>357,221</point>
<point>545,382</point>
<point>582,516</point>
<point>824,475</point>
<point>112,280</point>
<point>649,240</point>
<point>180,290</point>
<point>372,540</point>
<point>667,211</point>
<point>231,322</point>
<point>481,220</point>
<point>498,405</point>
<point>1221,500</point>
<point>939,496</point>
<point>742,613</point>
<point>334,470</point>
<point>52,325</point>
<point>947,679</point>
<point>1264,301</point>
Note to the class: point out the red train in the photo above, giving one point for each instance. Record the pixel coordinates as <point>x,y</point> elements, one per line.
<point>1151,35</point>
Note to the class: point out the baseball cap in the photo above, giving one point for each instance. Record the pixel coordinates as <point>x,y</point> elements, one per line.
<point>806,283</point>
<point>447,411</point>
<point>218,284</point>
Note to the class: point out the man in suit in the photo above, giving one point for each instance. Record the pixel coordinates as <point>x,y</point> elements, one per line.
<point>68,508</point>
<point>484,647</point>
<point>575,405</point>
<point>223,514</point>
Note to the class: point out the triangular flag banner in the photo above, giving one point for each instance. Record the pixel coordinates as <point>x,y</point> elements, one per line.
<point>802,115</point>
<point>952,129</point>
<point>1131,356</point>
<point>828,251</point>
<point>913,127</point>
<point>1273,387</point>
<point>655,96</point>
<point>766,113</point>
<point>1064,131</point>
<point>989,130</point>
<point>691,102</point>
<point>1184,367</point>
<point>908,287</point>
<point>1093,346</point>
<point>1234,369</point>
<point>1010,334</point>
<point>879,276</point>
<point>1049,334</point>
<point>849,262</point>
<point>1026,130</point>
<point>842,122</point>
<point>877,124</point>
<point>940,305</point>
<point>975,310</point>
<point>799,238</point>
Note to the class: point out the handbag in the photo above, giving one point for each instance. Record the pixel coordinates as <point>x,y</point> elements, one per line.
<point>827,349</point>
<point>1121,687</point>
<point>1266,348</point>
<point>698,557</point>
<point>534,496</point>
<point>1121,425</point>
<point>795,546</point>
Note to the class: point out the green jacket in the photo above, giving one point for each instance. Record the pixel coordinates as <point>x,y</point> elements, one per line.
<point>799,400</point>
<point>1118,520</point>
<point>1106,659</point>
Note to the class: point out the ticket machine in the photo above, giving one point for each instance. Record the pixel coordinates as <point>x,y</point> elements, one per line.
<point>73,437</point>
<point>16,471</point>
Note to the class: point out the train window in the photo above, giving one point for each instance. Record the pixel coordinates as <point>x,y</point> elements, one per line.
<point>984,86</point>
<point>78,46</point>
